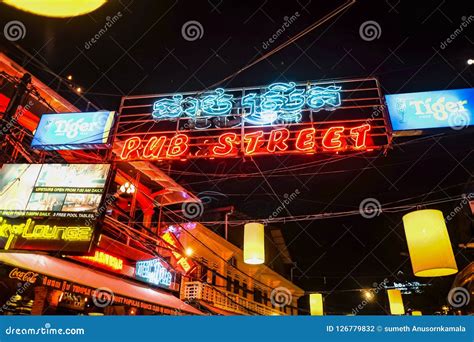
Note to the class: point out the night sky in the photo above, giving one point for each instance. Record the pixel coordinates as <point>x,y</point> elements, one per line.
<point>144,52</point>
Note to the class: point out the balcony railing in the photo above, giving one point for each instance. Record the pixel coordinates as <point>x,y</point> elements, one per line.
<point>225,300</point>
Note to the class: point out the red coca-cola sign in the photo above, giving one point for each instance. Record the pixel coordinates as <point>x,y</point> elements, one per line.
<point>28,276</point>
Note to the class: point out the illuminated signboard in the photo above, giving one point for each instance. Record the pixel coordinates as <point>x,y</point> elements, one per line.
<point>431,109</point>
<point>28,234</point>
<point>181,261</point>
<point>101,258</point>
<point>282,101</point>
<point>153,272</point>
<point>282,118</point>
<point>50,207</point>
<point>72,131</point>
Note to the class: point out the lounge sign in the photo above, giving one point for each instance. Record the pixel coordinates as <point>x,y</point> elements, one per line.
<point>43,235</point>
<point>282,118</point>
<point>51,207</point>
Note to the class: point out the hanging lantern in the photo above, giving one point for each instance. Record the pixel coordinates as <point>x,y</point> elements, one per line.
<point>431,253</point>
<point>316,304</point>
<point>396,302</point>
<point>416,313</point>
<point>254,244</point>
<point>56,8</point>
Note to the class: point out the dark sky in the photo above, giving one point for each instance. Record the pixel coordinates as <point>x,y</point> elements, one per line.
<point>144,51</point>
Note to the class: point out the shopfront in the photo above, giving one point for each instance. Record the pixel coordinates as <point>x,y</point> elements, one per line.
<point>34,284</point>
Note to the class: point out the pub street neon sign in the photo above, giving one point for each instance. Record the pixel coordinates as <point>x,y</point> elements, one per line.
<point>281,140</point>
<point>282,118</point>
<point>281,102</point>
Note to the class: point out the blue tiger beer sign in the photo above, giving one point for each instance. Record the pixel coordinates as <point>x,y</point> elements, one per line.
<point>431,109</point>
<point>73,131</point>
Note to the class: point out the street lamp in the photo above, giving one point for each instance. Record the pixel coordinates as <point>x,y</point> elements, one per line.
<point>368,295</point>
<point>470,61</point>
<point>430,249</point>
<point>56,8</point>
<point>254,243</point>
<point>127,188</point>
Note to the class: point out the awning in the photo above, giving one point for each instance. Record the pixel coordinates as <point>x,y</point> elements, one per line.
<point>62,269</point>
<point>215,310</point>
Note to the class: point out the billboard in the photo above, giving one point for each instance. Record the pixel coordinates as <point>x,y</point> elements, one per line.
<point>432,109</point>
<point>51,207</point>
<point>73,131</point>
<point>343,116</point>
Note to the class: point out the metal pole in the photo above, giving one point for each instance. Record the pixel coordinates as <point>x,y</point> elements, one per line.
<point>21,91</point>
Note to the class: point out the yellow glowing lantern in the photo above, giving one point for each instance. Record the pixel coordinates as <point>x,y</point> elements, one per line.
<point>416,313</point>
<point>316,304</point>
<point>431,253</point>
<point>396,302</point>
<point>254,243</point>
<point>56,8</point>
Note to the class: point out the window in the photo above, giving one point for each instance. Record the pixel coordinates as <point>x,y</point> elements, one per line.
<point>236,286</point>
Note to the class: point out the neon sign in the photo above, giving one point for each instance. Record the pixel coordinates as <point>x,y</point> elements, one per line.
<point>18,233</point>
<point>184,263</point>
<point>154,272</point>
<point>281,102</point>
<point>282,118</point>
<point>280,140</point>
<point>105,259</point>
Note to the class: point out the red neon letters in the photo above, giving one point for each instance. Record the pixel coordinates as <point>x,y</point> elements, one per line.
<point>281,140</point>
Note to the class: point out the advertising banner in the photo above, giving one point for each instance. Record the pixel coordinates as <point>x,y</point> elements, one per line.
<point>310,118</point>
<point>432,109</point>
<point>73,131</point>
<point>50,207</point>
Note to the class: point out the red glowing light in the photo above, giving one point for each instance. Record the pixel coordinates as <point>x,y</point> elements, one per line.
<point>332,139</point>
<point>154,147</point>
<point>277,140</point>
<point>225,144</point>
<point>252,140</point>
<point>131,145</point>
<point>359,134</point>
<point>305,141</point>
<point>180,146</point>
